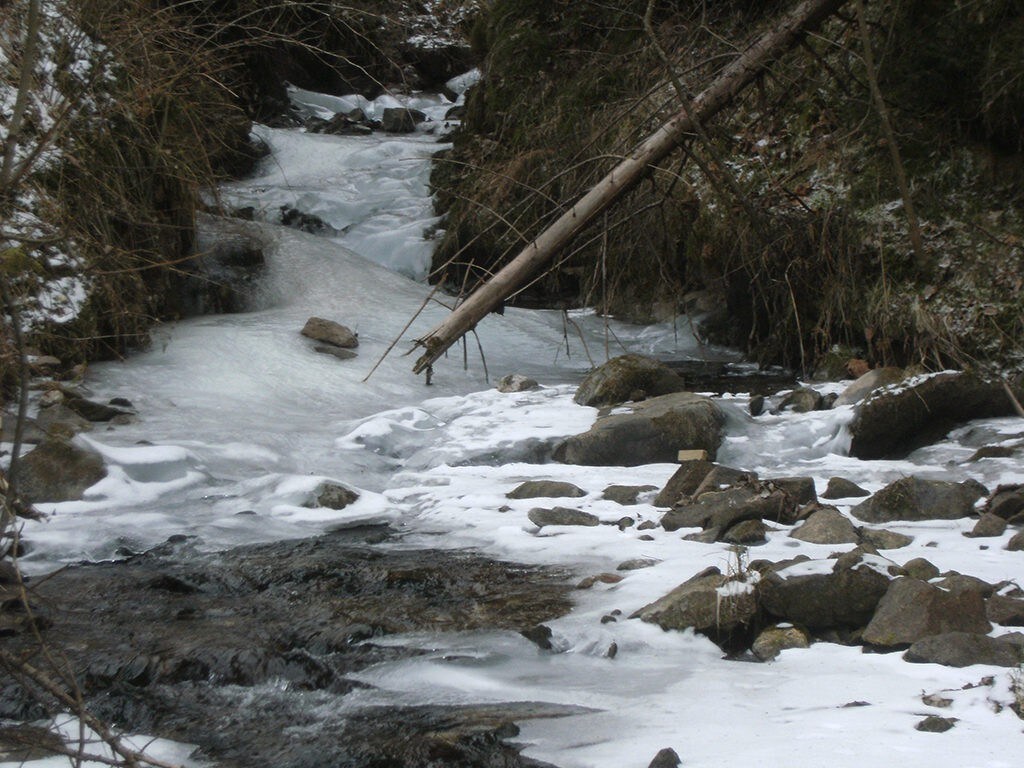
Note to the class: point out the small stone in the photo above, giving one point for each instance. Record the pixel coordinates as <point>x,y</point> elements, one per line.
<point>934,700</point>
<point>51,397</point>
<point>541,516</point>
<point>516,382</point>
<point>636,564</point>
<point>921,569</point>
<point>625,495</point>
<point>841,488</point>
<point>334,496</point>
<point>800,400</point>
<point>1016,544</point>
<point>599,578</point>
<point>756,405</point>
<point>935,724</point>
<point>329,332</point>
<point>545,489</point>
<point>647,525</point>
<point>625,522</point>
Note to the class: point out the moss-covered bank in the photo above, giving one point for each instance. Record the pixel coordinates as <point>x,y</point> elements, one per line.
<point>788,210</point>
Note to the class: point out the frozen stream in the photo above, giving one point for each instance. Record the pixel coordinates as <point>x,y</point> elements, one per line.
<point>239,415</point>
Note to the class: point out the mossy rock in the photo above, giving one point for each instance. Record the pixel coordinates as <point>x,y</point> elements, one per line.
<point>621,378</point>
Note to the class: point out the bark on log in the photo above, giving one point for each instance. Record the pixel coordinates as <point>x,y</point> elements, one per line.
<point>809,15</point>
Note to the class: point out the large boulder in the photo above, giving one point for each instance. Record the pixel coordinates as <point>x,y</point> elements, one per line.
<point>821,595</point>
<point>893,421</point>
<point>912,610</point>
<point>58,470</point>
<point>912,498</point>
<point>827,526</point>
<point>330,332</point>
<point>624,377</point>
<point>720,606</point>
<point>720,510</point>
<point>650,432</point>
<point>962,649</point>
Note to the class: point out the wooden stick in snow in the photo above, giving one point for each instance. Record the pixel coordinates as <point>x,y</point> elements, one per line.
<point>809,15</point>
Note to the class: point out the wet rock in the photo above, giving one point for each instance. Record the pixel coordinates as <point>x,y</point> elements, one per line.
<point>912,498</point>
<point>401,119</point>
<point>868,383</point>
<point>625,495</point>
<point>827,526</point>
<point>301,615</point>
<point>516,382</point>
<point>920,569</point>
<point>721,607</point>
<point>1005,611</point>
<point>620,377</point>
<point>339,352</point>
<point>963,649</point>
<point>748,533</point>
<point>539,635</point>
<point>846,597</point>
<point>649,432</point>
<point>892,422</point>
<point>883,539</point>
<point>756,406</point>
<point>840,488</point>
<point>988,526</point>
<point>334,496</point>
<point>541,516</point>
<point>1006,502</point>
<point>781,637</point>
<point>329,332</point>
<point>912,610</point>
<point>666,758</point>
<point>935,724</point>
<point>58,470</point>
<point>801,400</point>
<point>553,489</point>
<point>305,222</point>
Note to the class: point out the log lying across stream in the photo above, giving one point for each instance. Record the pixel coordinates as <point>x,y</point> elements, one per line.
<point>787,33</point>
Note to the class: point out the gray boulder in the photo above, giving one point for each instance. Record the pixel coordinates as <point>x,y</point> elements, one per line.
<point>653,431</point>
<point>541,516</point>
<point>1016,543</point>
<point>1007,501</point>
<point>894,421</point>
<point>748,533</point>
<point>58,470</point>
<point>335,496</point>
<point>912,498</point>
<point>963,649</point>
<point>541,489</point>
<point>846,597</point>
<point>711,603</point>
<point>622,377</point>
<point>912,610</point>
<point>684,482</point>
<point>800,400</point>
<point>329,332</point>
<point>827,526</point>
<point>988,526</point>
<point>625,494</point>
<point>879,538</point>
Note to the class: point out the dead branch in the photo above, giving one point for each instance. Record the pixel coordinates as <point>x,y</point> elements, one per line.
<point>744,70</point>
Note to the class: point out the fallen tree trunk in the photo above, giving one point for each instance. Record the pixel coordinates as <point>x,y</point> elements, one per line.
<point>787,33</point>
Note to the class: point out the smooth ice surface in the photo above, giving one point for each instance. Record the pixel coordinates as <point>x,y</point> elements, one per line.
<point>245,421</point>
